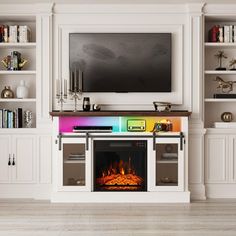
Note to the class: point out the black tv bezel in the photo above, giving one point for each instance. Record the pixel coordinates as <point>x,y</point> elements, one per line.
<point>125,91</point>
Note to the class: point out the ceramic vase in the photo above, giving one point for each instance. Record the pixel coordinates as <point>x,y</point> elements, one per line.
<point>22,90</point>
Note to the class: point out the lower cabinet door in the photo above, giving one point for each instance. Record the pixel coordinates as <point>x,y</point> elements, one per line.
<point>5,158</point>
<point>75,165</point>
<point>23,159</point>
<point>167,166</point>
<point>216,154</point>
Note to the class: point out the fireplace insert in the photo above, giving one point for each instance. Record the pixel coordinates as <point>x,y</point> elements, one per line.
<point>120,165</point>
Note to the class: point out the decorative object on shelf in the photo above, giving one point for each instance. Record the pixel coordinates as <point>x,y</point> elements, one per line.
<point>232,64</point>
<point>28,119</point>
<point>136,125</point>
<point>162,106</point>
<point>61,92</point>
<point>163,125</point>
<point>220,55</point>
<point>86,104</point>
<point>225,86</point>
<point>7,92</point>
<point>76,85</point>
<point>14,61</point>
<point>22,90</point>
<point>96,107</point>
<point>227,116</point>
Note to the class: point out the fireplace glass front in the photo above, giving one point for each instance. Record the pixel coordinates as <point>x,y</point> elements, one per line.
<point>120,165</point>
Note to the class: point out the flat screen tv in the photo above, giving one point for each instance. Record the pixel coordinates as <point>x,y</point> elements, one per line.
<point>122,62</point>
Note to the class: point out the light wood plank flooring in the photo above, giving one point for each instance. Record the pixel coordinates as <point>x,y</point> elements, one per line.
<point>37,218</point>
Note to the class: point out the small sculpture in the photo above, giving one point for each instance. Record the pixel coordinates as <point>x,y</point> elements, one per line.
<point>225,86</point>
<point>232,64</point>
<point>220,55</point>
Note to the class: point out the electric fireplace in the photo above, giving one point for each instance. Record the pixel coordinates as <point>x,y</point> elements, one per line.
<point>120,165</point>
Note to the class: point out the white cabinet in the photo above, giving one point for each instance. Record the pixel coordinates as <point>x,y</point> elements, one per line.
<point>167,165</point>
<point>216,154</point>
<point>18,159</point>
<point>220,158</point>
<point>75,165</point>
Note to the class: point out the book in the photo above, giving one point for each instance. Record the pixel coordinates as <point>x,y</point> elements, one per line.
<point>214,33</point>
<point>224,95</point>
<point>13,34</point>
<point>20,117</point>
<point>226,34</point>
<point>24,34</point>
<point>1,116</point>
<point>231,33</point>
<point>221,35</point>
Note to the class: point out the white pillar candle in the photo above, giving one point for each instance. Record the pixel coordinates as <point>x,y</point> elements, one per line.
<point>57,87</point>
<point>65,87</point>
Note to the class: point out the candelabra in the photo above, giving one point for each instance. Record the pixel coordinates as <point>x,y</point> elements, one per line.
<point>75,86</point>
<point>61,93</point>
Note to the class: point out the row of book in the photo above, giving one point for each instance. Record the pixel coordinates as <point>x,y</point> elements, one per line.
<point>11,119</point>
<point>14,33</point>
<point>223,34</point>
<point>12,62</point>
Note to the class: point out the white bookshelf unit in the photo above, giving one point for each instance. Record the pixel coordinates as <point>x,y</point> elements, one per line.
<point>28,73</point>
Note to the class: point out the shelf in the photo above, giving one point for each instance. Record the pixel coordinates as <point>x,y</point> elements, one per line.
<point>167,162</point>
<point>17,72</point>
<point>21,45</point>
<point>220,72</point>
<point>74,161</point>
<point>228,45</point>
<point>220,100</point>
<point>120,113</point>
<point>17,100</point>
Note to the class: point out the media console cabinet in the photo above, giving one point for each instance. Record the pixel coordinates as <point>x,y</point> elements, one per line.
<point>120,165</point>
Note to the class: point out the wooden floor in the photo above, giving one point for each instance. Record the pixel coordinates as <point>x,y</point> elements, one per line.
<point>36,218</point>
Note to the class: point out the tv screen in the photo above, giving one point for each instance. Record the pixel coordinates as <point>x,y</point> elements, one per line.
<point>122,62</point>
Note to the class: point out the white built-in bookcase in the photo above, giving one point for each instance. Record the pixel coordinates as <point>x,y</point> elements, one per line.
<point>27,73</point>
<point>215,107</point>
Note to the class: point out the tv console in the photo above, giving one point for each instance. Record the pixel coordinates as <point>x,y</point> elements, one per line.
<point>107,165</point>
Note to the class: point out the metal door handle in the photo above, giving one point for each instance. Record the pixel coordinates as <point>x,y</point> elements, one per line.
<point>9,160</point>
<point>13,161</point>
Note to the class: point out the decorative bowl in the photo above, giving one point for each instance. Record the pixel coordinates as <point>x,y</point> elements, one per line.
<point>162,106</point>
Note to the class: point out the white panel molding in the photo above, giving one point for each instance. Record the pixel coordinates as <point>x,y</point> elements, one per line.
<point>117,99</point>
<point>120,8</point>
<point>219,9</point>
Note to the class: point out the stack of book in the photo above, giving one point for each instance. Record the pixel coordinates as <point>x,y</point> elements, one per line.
<point>12,61</point>
<point>14,33</point>
<point>223,34</point>
<point>11,119</point>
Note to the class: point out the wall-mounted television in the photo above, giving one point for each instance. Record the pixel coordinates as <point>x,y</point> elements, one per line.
<point>122,62</point>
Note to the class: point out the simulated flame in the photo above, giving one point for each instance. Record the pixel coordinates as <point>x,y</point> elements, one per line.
<point>120,176</point>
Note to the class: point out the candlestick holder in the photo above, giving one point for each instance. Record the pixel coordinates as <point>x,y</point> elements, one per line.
<point>76,95</point>
<point>61,98</point>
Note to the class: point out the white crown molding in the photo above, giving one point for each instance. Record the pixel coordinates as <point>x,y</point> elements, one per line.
<point>26,9</point>
<point>119,8</point>
<point>195,8</point>
<point>220,9</point>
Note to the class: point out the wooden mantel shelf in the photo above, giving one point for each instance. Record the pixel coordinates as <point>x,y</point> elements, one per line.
<point>120,113</point>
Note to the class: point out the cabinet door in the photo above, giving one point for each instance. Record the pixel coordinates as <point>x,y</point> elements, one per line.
<point>232,158</point>
<point>75,165</point>
<point>24,153</point>
<point>167,166</point>
<point>5,157</point>
<point>216,159</point>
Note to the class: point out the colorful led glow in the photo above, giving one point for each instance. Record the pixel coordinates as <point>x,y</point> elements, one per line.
<point>119,124</point>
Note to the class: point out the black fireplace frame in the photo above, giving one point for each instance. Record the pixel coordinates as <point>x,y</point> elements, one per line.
<point>145,183</point>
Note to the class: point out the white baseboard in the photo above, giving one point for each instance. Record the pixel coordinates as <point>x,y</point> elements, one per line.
<point>221,190</point>
<point>31,191</point>
<point>119,197</point>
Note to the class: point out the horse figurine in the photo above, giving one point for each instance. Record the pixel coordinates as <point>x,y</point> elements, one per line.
<point>225,86</point>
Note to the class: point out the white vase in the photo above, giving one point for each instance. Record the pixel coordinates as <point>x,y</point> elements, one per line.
<point>22,90</point>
